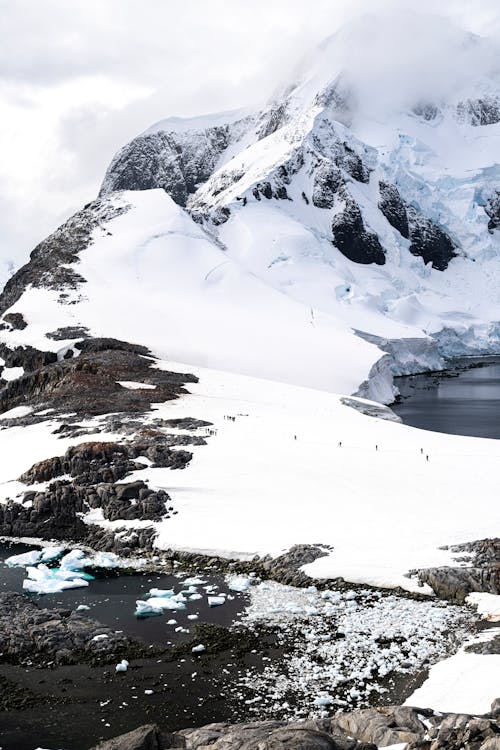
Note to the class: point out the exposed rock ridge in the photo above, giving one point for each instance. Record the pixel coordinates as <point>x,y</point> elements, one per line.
<point>427,240</point>
<point>47,267</point>
<point>363,729</point>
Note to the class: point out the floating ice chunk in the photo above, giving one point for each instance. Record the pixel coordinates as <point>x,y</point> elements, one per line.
<point>146,609</point>
<point>195,597</point>
<point>179,598</point>
<point>122,666</point>
<point>192,617</point>
<point>161,592</point>
<point>239,583</point>
<point>52,586</point>
<point>198,649</point>
<point>26,558</point>
<point>74,560</point>
<point>51,553</point>
<point>216,601</point>
<point>44,580</point>
<point>156,605</point>
<point>323,699</point>
<point>194,581</point>
<point>172,622</point>
<point>82,607</point>
<point>148,692</point>
<point>100,637</point>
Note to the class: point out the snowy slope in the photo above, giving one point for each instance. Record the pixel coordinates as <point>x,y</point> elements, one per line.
<point>312,243</point>
<point>327,219</point>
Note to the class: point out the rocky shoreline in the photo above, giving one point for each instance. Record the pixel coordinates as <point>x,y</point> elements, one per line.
<point>405,727</point>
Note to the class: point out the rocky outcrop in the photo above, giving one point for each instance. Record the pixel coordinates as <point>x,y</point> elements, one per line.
<point>481,574</point>
<point>89,384</point>
<point>364,729</point>
<point>94,462</point>
<point>394,208</point>
<point>492,209</point>
<point>264,735</point>
<point>353,240</point>
<point>482,111</point>
<point>40,635</point>
<point>49,261</point>
<point>177,162</point>
<point>96,469</point>
<point>427,240</point>
<point>26,357</point>
<point>327,183</point>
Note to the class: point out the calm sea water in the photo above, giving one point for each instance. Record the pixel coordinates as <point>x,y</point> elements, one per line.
<point>463,401</point>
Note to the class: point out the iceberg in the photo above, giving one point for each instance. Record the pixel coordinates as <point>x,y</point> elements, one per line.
<point>26,558</point>
<point>161,592</point>
<point>44,580</point>
<point>156,605</point>
<point>51,553</point>
<point>239,583</point>
<point>216,601</point>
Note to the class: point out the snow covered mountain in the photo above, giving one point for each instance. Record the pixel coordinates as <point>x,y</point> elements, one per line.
<point>289,242</point>
<point>345,232</point>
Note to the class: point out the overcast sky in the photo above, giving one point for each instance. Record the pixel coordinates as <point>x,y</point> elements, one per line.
<point>78,78</point>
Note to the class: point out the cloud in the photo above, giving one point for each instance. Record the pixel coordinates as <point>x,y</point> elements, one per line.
<point>78,79</point>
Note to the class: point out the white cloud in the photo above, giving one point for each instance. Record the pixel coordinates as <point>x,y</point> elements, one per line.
<point>80,78</point>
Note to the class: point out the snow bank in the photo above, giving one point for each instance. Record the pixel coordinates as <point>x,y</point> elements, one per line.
<point>464,683</point>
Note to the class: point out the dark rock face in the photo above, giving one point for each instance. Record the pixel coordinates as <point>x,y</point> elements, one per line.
<point>349,160</point>
<point>68,332</point>
<point>427,240</point>
<point>426,110</point>
<point>353,240</point>
<point>273,120</point>
<point>91,463</point>
<point>54,514</point>
<point>95,468</point>
<point>47,515</point>
<point>477,112</point>
<point>175,162</point>
<point>456,583</point>
<point>26,357</point>
<point>47,267</point>
<point>492,209</point>
<point>88,385</point>
<point>327,183</point>
<point>394,208</point>
<point>28,632</point>
<point>16,321</point>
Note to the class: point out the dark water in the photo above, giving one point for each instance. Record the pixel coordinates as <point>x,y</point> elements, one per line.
<point>465,400</point>
<point>112,600</point>
<point>76,706</point>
